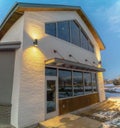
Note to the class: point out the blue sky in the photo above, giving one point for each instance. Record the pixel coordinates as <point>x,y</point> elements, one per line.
<point>105,17</point>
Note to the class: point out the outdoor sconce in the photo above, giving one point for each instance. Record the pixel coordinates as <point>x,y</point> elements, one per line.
<point>100,62</point>
<point>35,42</point>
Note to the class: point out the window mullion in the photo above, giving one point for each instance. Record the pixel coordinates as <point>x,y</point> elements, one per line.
<point>83,83</point>
<point>72,84</point>
<point>70,32</point>
<point>92,82</point>
<point>96,78</point>
<point>56,30</point>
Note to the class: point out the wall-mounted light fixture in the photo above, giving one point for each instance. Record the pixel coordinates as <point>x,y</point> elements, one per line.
<point>35,42</point>
<point>100,62</point>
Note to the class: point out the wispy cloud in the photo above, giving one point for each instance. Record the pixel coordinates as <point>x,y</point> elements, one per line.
<point>113,17</point>
<point>110,15</point>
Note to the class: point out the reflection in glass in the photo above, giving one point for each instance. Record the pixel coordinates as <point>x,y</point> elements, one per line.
<point>50,28</point>
<point>75,37</point>
<point>51,96</point>
<point>91,47</point>
<point>84,40</point>
<point>94,82</point>
<point>78,83</point>
<point>65,84</point>
<point>50,72</point>
<point>87,83</point>
<point>64,30</point>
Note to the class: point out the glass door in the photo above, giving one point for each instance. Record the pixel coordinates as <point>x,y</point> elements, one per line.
<point>51,97</point>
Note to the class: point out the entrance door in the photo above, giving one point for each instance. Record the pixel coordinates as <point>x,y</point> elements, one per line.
<point>51,97</point>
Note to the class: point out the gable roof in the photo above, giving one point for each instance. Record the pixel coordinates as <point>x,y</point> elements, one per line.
<point>19,8</point>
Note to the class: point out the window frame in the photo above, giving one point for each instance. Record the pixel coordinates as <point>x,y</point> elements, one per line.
<point>75,70</point>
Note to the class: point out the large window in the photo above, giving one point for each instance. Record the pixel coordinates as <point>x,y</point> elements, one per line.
<point>70,31</point>
<point>78,83</point>
<point>88,83</point>
<point>65,83</point>
<point>74,83</point>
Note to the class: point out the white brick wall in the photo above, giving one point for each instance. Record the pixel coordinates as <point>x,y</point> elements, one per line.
<point>101,87</point>
<point>32,96</point>
<point>16,88</point>
<point>15,33</point>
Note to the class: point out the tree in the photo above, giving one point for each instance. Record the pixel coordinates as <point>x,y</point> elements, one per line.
<point>116,81</point>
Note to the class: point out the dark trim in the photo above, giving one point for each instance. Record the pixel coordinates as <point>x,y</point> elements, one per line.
<point>22,4</point>
<point>9,45</point>
<point>11,12</point>
<point>61,62</point>
<point>5,105</point>
<point>19,8</point>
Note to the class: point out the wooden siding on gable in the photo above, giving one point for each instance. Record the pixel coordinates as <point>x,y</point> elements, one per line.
<point>9,23</point>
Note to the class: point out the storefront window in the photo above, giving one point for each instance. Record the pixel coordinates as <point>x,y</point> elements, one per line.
<point>87,83</point>
<point>74,83</point>
<point>78,83</point>
<point>94,82</point>
<point>65,84</point>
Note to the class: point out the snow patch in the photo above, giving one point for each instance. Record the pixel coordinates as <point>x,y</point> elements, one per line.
<point>109,85</point>
<point>115,123</point>
<point>106,115</point>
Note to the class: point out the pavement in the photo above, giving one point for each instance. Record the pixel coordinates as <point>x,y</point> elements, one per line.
<point>101,115</point>
<point>70,121</point>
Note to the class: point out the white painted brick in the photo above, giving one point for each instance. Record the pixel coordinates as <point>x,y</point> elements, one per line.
<point>101,87</point>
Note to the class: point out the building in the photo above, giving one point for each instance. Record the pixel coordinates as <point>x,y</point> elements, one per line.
<point>50,62</point>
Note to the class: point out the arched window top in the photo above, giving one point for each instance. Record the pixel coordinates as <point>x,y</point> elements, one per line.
<point>70,31</point>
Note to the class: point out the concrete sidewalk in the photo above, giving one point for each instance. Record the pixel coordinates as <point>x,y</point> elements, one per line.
<point>70,121</point>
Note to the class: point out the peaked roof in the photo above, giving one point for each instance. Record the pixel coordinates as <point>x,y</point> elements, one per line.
<point>19,8</point>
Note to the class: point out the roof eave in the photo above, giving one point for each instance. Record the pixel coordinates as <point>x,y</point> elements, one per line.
<point>18,10</point>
